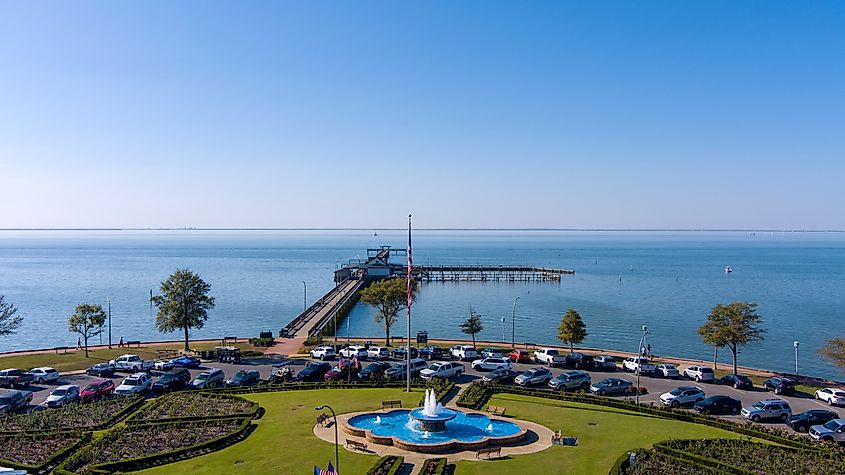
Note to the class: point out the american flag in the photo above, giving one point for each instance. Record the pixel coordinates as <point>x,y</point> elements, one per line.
<point>328,471</point>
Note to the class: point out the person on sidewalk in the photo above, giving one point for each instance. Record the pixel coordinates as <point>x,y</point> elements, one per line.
<point>120,345</point>
<point>79,343</point>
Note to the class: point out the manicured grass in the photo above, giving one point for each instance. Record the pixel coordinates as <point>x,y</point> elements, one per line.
<point>284,441</point>
<point>76,360</point>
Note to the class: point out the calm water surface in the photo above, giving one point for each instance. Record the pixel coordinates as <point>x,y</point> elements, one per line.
<point>668,280</point>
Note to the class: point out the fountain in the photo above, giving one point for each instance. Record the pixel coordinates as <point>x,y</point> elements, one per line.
<point>378,419</point>
<point>432,416</point>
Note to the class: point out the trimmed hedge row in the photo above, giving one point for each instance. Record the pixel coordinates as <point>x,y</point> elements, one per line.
<point>76,441</point>
<point>44,419</point>
<point>649,462</point>
<point>700,461</point>
<point>433,467</point>
<point>159,408</point>
<point>387,465</point>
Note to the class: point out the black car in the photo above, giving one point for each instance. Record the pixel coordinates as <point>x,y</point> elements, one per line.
<point>779,385</point>
<point>176,378</point>
<point>101,370</point>
<point>814,417</point>
<point>430,353</point>
<point>399,353</point>
<point>579,361</point>
<point>738,381</point>
<point>314,371</point>
<point>501,375</point>
<point>12,401</point>
<point>374,370</point>
<point>718,405</point>
<point>244,378</point>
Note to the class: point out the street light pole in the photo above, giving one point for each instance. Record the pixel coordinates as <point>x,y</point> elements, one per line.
<point>348,369</point>
<point>513,324</point>
<point>108,300</point>
<point>334,416</point>
<point>795,344</point>
<point>304,296</point>
<point>639,363</point>
<point>503,329</point>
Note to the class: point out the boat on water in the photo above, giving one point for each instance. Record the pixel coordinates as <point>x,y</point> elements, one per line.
<point>728,269</point>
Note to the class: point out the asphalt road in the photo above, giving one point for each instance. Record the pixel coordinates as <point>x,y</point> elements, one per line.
<point>656,386</point>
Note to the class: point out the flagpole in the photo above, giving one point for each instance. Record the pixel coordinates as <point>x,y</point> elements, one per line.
<point>410,290</point>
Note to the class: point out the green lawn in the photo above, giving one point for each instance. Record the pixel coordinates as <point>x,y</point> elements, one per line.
<point>75,360</point>
<point>284,441</point>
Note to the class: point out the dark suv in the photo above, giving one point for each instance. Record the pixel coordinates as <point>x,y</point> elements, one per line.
<point>779,385</point>
<point>431,353</point>
<point>814,417</point>
<point>579,361</point>
<point>176,378</point>
<point>738,381</point>
<point>718,405</point>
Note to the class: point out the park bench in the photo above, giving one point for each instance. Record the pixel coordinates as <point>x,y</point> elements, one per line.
<point>391,404</point>
<point>137,343</point>
<point>488,452</point>
<point>162,354</point>
<point>324,420</point>
<point>355,445</point>
<point>496,410</point>
<point>60,348</point>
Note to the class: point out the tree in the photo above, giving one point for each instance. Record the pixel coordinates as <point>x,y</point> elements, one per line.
<point>572,329</point>
<point>733,325</point>
<point>87,320</point>
<point>183,303</point>
<point>9,321</point>
<point>472,325</point>
<point>388,297</point>
<point>834,351</point>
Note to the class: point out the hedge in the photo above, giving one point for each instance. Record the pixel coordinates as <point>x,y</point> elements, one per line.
<point>81,439</point>
<point>433,467</point>
<point>135,402</point>
<point>141,416</point>
<point>378,468</point>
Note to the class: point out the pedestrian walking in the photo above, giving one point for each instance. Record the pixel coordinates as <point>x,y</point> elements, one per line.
<point>120,345</point>
<point>648,350</point>
<point>79,343</point>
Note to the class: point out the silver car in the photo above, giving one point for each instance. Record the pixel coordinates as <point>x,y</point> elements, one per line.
<point>682,395</point>
<point>571,381</point>
<point>534,376</point>
<point>666,370</point>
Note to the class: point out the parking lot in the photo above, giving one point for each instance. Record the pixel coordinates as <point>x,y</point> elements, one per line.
<point>656,386</point>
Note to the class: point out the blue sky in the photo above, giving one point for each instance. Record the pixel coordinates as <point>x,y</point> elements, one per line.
<point>469,114</point>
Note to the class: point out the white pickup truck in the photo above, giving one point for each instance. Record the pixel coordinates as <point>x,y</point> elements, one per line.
<point>443,370</point>
<point>633,363</point>
<point>131,363</point>
<point>549,356</point>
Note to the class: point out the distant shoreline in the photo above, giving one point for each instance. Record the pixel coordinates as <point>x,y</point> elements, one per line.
<point>447,229</point>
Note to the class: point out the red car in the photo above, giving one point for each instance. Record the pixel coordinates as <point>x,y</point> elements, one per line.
<point>519,356</point>
<point>97,389</point>
<point>340,374</point>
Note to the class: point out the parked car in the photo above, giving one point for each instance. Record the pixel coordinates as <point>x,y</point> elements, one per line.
<point>830,431</point>
<point>501,375</point>
<point>533,376</point>
<point>682,395</point>
<point>492,353</point>
<point>69,393</point>
<point>176,378</point>
<point>464,352</point>
<point>162,365</point>
<point>13,401</point>
<point>571,381</point>
<point>700,374</point>
<point>490,364</point>
<point>635,363</point>
<point>134,384</point>
<point>579,361</point>
<point>400,353</point>
<point>611,386</point>
<point>814,417</point>
<point>186,361</point>
<point>97,390</point>
<point>519,356</point>
<point>832,396</point>
<point>718,405</point>
<point>374,370</point>
<point>604,363</point>
<point>399,370</point>
<point>44,375</point>
<point>246,378</point>
<point>323,352</point>
<point>313,372</point>
<point>431,352</point>
<point>354,351</point>
<point>549,356</point>
<point>738,381</point>
<point>444,370</point>
<point>779,385</point>
<point>342,372</point>
<point>378,353</point>
<point>15,378</point>
<point>131,363</point>
<point>101,370</point>
<point>209,379</point>
<point>666,370</point>
<point>767,409</point>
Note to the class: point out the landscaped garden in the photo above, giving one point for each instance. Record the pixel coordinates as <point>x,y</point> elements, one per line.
<point>73,416</point>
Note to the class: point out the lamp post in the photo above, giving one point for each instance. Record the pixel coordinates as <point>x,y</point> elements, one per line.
<point>108,300</point>
<point>639,363</point>
<point>349,369</point>
<point>334,416</point>
<point>304,296</point>
<point>503,329</point>
<point>795,344</point>
<point>513,324</point>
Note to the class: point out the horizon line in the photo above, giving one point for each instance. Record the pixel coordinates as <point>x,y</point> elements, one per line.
<point>534,229</point>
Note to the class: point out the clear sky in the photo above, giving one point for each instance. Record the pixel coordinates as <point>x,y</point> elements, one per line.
<point>467,113</point>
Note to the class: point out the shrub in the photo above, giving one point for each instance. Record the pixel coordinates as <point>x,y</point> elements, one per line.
<point>194,405</point>
<point>261,342</point>
<point>651,463</point>
<point>35,450</point>
<point>433,467</point>
<point>73,416</point>
<point>387,465</point>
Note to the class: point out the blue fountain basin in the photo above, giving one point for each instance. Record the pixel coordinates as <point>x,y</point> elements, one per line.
<point>463,430</point>
<point>444,415</point>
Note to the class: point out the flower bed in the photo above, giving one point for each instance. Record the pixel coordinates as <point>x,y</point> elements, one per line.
<point>36,450</point>
<point>73,416</point>
<point>760,458</point>
<point>652,463</point>
<point>388,465</point>
<point>193,405</point>
<point>433,467</point>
